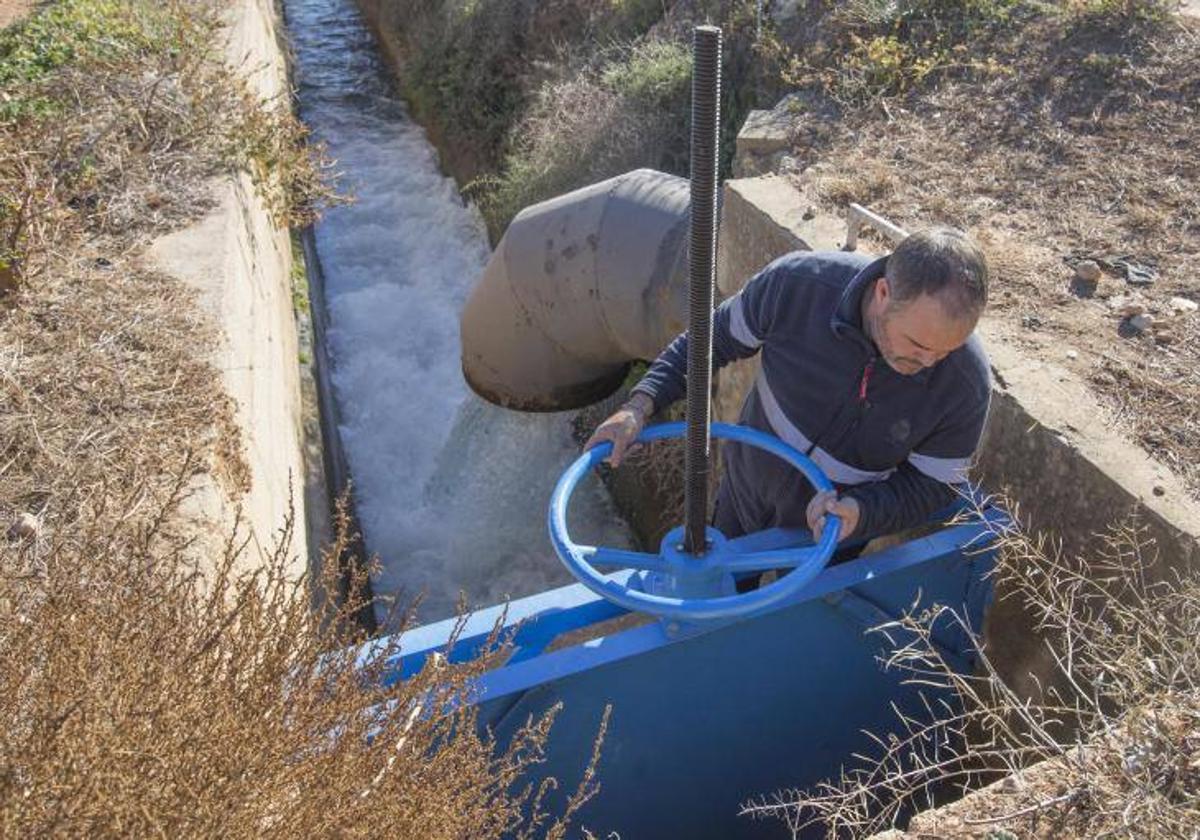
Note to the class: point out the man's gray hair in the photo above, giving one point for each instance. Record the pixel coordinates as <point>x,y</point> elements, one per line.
<point>943,262</point>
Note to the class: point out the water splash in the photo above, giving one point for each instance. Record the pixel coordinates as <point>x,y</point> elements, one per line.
<point>451,491</point>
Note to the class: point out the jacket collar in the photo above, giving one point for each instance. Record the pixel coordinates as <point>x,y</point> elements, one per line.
<point>847,315</point>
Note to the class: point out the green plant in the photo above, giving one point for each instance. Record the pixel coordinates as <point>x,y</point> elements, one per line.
<point>881,48</point>
<point>72,31</point>
<point>631,111</point>
<point>1116,14</point>
<point>657,74</point>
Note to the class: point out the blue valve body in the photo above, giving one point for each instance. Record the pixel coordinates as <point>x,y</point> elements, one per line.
<point>678,585</point>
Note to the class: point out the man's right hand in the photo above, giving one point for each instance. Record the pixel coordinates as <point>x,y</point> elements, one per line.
<point>623,427</point>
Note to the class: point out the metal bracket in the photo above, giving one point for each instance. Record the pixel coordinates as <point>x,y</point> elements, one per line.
<point>858,215</point>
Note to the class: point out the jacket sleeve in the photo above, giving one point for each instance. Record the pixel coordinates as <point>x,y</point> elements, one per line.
<point>740,326</point>
<point>934,473</point>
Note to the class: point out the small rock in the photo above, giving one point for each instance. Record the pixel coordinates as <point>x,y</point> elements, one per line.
<point>25,526</point>
<point>1164,337</point>
<point>1141,322</point>
<point>810,212</point>
<point>1031,322</point>
<point>1071,354</point>
<point>1088,271</point>
<point>1159,490</point>
<point>1133,310</point>
<point>1183,305</point>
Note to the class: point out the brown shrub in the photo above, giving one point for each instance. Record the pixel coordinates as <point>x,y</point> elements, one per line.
<point>131,705</point>
<point>1108,749</point>
<point>146,690</point>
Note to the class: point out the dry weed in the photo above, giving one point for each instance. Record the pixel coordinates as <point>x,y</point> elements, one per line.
<point>1115,732</point>
<point>133,706</point>
<point>145,690</point>
<point>114,114</point>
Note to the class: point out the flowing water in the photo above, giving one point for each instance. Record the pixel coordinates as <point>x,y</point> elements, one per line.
<point>451,491</point>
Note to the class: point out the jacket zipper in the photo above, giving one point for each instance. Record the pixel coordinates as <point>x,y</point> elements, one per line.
<point>865,381</point>
<point>861,406</point>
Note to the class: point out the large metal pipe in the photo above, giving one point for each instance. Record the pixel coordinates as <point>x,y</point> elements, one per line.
<point>579,287</point>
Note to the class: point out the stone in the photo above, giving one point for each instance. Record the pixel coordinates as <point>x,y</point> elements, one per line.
<point>1164,336</point>
<point>765,132</point>
<point>1088,271</point>
<point>1071,354</point>
<point>1183,306</point>
<point>1133,310</point>
<point>1159,490</point>
<point>1142,321</point>
<point>25,526</point>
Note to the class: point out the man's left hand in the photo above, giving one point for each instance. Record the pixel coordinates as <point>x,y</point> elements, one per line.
<point>846,509</point>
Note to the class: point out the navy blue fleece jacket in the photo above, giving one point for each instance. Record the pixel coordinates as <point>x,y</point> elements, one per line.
<point>898,444</point>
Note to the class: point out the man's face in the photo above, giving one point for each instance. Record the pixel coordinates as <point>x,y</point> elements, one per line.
<point>915,334</point>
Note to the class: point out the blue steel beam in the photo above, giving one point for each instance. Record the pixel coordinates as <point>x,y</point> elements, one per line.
<point>538,619</point>
<point>522,676</point>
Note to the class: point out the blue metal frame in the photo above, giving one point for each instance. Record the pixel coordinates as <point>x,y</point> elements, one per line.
<point>530,624</point>
<point>726,697</point>
<point>707,715</point>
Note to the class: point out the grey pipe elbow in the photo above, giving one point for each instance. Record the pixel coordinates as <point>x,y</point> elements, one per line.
<point>579,287</point>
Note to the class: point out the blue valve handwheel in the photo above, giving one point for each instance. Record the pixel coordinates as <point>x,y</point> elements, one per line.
<point>755,552</point>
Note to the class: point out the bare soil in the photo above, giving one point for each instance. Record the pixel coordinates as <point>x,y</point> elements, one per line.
<point>1079,143</point>
<point>13,10</point>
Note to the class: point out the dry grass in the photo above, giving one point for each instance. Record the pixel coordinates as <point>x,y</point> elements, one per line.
<point>1069,132</point>
<point>145,690</point>
<point>131,706</point>
<point>112,116</point>
<point>1116,731</point>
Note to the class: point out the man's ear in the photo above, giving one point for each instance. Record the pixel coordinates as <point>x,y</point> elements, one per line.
<point>883,291</point>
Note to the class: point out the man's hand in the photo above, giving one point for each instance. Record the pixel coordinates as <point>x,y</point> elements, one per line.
<point>622,427</point>
<point>828,502</point>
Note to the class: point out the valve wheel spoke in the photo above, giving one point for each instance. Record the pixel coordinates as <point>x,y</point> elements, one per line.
<point>601,556</point>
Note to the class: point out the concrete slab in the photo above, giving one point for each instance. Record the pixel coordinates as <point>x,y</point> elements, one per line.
<point>240,263</point>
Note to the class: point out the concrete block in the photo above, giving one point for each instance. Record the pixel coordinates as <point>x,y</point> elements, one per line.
<point>765,132</point>
<point>765,138</point>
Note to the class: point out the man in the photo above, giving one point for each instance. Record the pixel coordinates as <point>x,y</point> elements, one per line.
<point>869,367</point>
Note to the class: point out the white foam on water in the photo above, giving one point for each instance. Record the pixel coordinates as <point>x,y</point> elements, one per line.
<point>451,491</point>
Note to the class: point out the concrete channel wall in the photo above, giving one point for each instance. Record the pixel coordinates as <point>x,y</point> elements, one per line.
<point>240,262</point>
<point>1046,446</point>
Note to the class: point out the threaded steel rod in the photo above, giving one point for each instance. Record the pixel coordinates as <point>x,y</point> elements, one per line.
<point>706,112</point>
